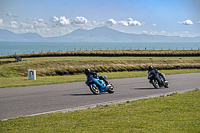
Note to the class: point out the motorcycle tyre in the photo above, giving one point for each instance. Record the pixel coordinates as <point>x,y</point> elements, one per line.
<point>166,85</point>
<point>94,90</point>
<point>155,83</point>
<point>111,90</point>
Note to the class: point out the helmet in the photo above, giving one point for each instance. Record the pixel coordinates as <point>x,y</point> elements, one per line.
<point>150,68</point>
<point>87,71</point>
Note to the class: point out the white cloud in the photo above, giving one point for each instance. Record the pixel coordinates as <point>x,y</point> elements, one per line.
<point>24,25</point>
<point>128,22</point>
<point>82,21</point>
<point>14,25</point>
<point>132,22</point>
<point>186,22</point>
<point>54,19</point>
<point>79,21</point>
<point>164,33</point>
<point>145,32</point>
<point>1,22</point>
<point>186,34</point>
<point>198,22</point>
<point>62,21</point>
<point>129,19</point>
<point>123,23</point>
<point>9,14</point>
<point>154,25</point>
<point>40,20</point>
<point>111,22</point>
<point>92,24</point>
<point>39,24</point>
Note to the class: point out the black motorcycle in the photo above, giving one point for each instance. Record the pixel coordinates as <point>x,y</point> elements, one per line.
<point>157,79</point>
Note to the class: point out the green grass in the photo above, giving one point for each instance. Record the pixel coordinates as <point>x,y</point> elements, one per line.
<point>172,113</point>
<point>6,82</point>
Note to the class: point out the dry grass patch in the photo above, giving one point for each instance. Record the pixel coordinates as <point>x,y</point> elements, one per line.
<point>49,66</point>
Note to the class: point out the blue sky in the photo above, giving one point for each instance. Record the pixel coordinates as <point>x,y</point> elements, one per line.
<point>59,17</point>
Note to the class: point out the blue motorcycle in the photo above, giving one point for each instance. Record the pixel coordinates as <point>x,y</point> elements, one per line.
<point>99,84</point>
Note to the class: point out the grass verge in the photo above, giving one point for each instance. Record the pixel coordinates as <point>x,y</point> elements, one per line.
<point>172,113</point>
<point>6,82</point>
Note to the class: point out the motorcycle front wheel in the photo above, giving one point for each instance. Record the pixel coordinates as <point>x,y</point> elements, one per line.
<point>166,85</point>
<point>155,83</point>
<point>111,89</point>
<point>94,89</point>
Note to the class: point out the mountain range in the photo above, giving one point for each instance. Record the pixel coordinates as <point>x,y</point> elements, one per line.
<point>100,34</point>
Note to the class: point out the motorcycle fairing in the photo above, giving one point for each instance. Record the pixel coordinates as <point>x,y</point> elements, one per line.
<point>98,82</point>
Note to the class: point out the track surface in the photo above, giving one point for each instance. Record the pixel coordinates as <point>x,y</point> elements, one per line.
<point>22,101</point>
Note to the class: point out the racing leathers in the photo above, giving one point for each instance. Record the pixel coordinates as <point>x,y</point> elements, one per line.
<point>94,74</point>
<point>152,73</point>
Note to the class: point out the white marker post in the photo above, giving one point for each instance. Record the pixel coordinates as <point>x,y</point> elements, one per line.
<point>31,74</point>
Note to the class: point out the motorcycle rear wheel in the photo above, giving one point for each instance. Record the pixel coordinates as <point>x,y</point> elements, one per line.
<point>155,83</point>
<point>94,89</point>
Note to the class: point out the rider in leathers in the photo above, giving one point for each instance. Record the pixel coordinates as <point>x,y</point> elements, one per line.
<point>152,72</point>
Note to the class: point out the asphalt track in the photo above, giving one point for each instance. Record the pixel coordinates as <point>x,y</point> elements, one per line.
<point>34,100</point>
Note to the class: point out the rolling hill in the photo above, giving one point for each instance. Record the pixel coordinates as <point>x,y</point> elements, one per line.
<point>8,36</point>
<point>100,34</point>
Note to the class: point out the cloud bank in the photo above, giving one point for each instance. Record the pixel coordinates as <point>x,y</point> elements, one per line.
<point>128,22</point>
<point>61,25</point>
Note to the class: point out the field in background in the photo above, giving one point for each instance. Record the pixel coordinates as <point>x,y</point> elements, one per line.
<point>70,65</point>
<point>62,67</point>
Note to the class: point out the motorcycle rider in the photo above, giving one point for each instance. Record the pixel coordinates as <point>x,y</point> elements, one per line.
<point>88,73</point>
<point>152,72</point>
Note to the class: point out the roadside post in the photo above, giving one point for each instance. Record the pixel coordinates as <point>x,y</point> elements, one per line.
<point>31,74</point>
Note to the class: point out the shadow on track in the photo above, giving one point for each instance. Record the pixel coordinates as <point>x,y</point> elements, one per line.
<point>88,94</point>
<point>145,88</point>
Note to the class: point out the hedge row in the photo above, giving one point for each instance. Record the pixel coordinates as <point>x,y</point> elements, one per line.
<point>102,69</point>
<point>111,53</point>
